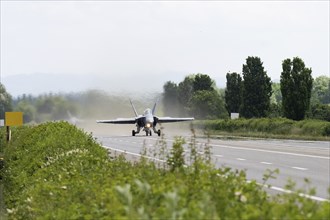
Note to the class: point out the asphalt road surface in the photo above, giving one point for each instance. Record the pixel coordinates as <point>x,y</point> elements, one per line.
<point>296,160</point>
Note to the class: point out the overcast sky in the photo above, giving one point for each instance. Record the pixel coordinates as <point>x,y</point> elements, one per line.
<point>160,41</point>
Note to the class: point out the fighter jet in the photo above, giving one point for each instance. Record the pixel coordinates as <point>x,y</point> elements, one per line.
<point>146,122</point>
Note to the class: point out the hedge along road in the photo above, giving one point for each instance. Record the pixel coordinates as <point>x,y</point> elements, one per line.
<point>296,160</point>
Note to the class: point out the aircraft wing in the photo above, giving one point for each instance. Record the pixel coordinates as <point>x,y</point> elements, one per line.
<point>119,121</point>
<point>170,119</point>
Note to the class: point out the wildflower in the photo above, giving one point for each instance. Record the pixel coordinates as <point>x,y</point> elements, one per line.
<point>11,211</point>
<point>243,199</point>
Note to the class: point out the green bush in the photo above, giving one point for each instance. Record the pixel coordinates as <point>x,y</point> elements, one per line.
<point>326,130</point>
<point>320,112</point>
<point>56,171</point>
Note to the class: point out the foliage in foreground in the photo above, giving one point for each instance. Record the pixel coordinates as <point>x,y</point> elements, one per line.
<point>266,127</point>
<point>55,171</point>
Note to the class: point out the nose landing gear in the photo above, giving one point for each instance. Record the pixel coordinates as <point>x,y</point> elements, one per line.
<point>148,132</point>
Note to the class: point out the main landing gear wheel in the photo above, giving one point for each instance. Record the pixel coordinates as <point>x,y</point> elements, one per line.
<point>133,133</point>
<point>150,133</point>
<point>158,132</point>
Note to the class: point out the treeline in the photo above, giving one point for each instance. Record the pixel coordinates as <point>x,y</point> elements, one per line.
<point>252,95</point>
<point>196,95</point>
<point>90,105</point>
<point>5,101</point>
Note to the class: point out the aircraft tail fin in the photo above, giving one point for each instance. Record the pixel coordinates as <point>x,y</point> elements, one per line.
<point>69,114</point>
<point>154,108</point>
<point>135,112</point>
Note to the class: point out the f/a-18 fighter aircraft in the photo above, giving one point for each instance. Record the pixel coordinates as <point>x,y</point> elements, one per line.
<point>146,122</point>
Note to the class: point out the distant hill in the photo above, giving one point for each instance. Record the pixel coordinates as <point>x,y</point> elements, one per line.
<point>44,83</point>
<point>128,84</point>
<point>40,83</point>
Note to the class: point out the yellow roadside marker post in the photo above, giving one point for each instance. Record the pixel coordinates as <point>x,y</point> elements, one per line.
<point>12,119</point>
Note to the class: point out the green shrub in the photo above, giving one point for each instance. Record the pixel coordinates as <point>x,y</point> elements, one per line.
<point>280,127</point>
<point>326,130</point>
<point>320,112</point>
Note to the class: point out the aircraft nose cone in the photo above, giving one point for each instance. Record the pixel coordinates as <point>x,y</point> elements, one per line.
<point>149,122</point>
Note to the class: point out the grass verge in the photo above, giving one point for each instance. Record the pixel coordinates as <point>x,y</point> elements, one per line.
<point>278,128</point>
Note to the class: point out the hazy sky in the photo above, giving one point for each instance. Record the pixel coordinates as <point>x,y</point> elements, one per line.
<point>160,41</point>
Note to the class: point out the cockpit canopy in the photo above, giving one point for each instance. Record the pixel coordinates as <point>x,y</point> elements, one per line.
<point>147,111</point>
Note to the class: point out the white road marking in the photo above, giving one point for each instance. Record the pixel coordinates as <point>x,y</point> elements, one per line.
<point>267,151</point>
<point>218,155</point>
<point>289,191</point>
<point>267,163</point>
<point>300,194</point>
<point>271,151</point>
<point>134,154</point>
<point>299,168</point>
<point>241,159</point>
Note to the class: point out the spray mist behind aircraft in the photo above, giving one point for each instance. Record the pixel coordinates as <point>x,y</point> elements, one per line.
<point>146,122</point>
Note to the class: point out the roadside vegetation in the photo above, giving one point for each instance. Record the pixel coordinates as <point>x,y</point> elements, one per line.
<point>56,171</point>
<point>268,128</point>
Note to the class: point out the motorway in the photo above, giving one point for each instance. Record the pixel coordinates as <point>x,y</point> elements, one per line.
<point>296,160</point>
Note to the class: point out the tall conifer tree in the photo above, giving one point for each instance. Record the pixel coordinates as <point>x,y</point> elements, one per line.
<point>257,89</point>
<point>233,94</point>
<point>296,88</point>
